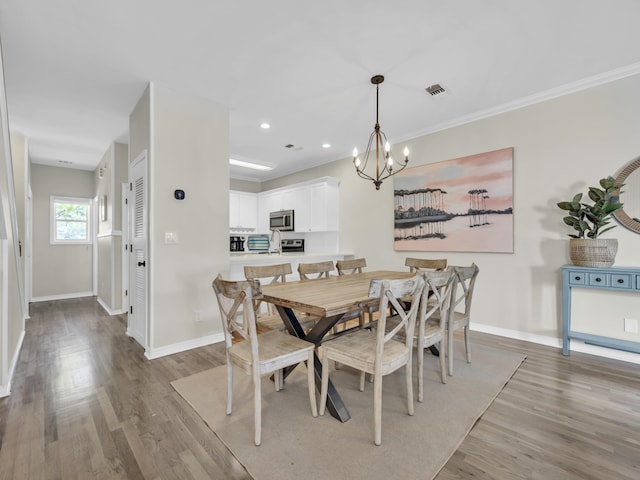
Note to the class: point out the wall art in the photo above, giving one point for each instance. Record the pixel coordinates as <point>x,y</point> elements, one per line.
<point>459,205</point>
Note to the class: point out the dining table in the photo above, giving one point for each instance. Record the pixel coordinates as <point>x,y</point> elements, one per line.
<point>328,300</point>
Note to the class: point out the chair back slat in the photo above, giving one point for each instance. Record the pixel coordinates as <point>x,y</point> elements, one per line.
<point>421,264</point>
<point>309,271</point>
<point>463,286</point>
<point>236,300</point>
<point>270,274</point>
<point>348,267</point>
<point>389,292</point>
<point>436,296</point>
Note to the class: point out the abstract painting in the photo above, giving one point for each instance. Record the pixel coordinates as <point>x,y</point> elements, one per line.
<point>459,205</point>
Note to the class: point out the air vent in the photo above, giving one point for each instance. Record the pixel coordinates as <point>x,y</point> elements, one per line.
<point>437,90</point>
<point>289,145</point>
<point>65,162</point>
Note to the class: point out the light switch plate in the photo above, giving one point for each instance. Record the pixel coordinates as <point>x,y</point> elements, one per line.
<point>171,238</point>
<point>631,325</point>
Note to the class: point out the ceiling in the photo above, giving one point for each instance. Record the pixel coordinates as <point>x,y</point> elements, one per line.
<point>75,69</point>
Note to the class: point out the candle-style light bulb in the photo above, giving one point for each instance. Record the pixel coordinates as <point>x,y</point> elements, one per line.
<point>357,162</point>
<point>390,162</point>
<point>355,152</point>
<point>387,147</point>
<point>406,153</point>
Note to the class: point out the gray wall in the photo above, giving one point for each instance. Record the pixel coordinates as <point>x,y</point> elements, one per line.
<point>114,167</point>
<point>187,140</point>
<point>59,271</point>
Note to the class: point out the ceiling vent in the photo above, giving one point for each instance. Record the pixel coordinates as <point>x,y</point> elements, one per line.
<point>289,145</point>
<point>437,90</point>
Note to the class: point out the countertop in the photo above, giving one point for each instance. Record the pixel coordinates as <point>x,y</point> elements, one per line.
<point>288,256</point>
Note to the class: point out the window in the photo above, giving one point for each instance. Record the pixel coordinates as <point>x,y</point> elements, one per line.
<point>70,220</point>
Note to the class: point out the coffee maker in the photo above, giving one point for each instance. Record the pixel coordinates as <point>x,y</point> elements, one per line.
<point>236,244</point>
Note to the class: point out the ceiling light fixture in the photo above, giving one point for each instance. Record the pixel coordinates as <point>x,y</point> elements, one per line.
<point>326,145</point>
<point>265,125</point>
<point>384,169</point>
<point>254,166</point>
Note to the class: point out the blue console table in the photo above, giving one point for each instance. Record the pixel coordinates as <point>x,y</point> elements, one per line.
<point>621,279</point>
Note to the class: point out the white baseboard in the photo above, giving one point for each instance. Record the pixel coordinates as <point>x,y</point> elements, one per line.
<point>63,296</point>
<point>152,353</point>
<point>574,345</point>
<point>5,389</point>
<point>107,309</point>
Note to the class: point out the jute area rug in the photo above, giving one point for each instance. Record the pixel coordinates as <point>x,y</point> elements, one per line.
<point>296,445</point>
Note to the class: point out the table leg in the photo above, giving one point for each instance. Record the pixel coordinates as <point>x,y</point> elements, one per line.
<point>335,405</point>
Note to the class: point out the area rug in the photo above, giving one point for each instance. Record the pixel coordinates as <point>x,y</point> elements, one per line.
<point>296,445</point>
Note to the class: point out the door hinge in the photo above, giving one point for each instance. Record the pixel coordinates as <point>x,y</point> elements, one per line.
<point>131,186</point>
<point>131,309</point>
<point>126,293</point>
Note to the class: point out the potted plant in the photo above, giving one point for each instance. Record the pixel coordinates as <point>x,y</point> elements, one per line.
<point>590,220</point>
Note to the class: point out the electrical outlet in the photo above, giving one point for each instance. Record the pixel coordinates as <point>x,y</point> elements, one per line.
<point>631,325</point>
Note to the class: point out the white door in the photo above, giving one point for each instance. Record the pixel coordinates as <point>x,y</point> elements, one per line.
<point>138,225</point>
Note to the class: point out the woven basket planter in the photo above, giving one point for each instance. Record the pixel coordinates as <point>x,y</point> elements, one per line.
<point>588,252</point>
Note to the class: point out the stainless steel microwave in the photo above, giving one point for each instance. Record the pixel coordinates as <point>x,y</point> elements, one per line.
<point>282,220</point>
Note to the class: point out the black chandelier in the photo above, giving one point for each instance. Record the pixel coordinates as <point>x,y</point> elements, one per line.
<point>384,168</point>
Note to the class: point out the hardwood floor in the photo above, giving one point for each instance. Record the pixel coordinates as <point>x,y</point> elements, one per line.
<point>85,403</point>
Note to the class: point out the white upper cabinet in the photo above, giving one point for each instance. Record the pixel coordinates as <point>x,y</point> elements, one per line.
<point>243,211</point>
<point>323,207</point>
<point>315,205</point>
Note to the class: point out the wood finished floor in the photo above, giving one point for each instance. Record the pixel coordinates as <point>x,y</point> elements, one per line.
<point>85,404</point>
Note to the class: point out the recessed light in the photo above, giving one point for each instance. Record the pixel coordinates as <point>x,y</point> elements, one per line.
<point>326,145</point>
<point>265,125</point>
<point>255,166</point>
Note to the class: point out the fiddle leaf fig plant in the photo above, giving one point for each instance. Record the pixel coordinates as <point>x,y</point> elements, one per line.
<point>590,220</point>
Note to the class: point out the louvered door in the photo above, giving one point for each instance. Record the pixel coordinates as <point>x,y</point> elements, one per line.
<point>138,244</point>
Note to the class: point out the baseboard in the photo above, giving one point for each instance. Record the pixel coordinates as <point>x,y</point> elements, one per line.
<point>108,309</point>
<point>64,296</point>
<point>575,345</point>
<point>5,389</point>
<point>183,346</point>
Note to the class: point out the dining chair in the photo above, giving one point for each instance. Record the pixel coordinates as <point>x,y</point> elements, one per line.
<point>354,267</point>
<point>266,312</point>
<point>431,321</point>
<point>309,271</point>
<point>347,267</point>
<point>419,264</point>
<point>378,352</point>
<point>464,280</point>
<point>257,355</point>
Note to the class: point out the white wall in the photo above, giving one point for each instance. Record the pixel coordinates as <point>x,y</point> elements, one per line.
<point>59,271</point>
<point>561,146</point>
<point>12,315</point>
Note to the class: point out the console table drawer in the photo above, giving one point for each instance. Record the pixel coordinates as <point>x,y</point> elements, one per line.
<point>623,281</point>
<point>598,279</point>
<point>577,278</point>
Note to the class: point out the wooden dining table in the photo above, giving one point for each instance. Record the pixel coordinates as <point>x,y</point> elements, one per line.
<point>328,299</point>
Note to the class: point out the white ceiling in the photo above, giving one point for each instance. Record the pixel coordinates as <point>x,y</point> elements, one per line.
<point>74,69</point>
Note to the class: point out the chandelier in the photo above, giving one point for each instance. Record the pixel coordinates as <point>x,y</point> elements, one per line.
<point>384,162</point>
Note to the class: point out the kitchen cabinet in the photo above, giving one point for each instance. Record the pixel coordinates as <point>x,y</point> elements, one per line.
<point>315,205</point>
<point>243,211</point>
